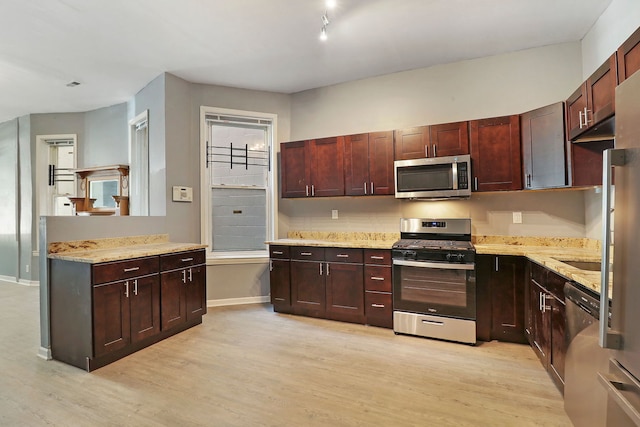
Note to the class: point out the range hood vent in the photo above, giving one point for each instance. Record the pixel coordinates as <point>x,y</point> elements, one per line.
<point>605,131</point>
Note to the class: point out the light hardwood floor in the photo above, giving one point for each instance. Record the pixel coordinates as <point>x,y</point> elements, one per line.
<point>248,366</point>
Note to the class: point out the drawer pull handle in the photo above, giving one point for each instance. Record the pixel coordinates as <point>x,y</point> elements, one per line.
<point>277,252</point>
<point>129,270</point>
<point>186,259</point>
<point>376,257</point>
<point>377,305</point>
<point>306,253</point>
<point>377,278</point>
<point>342,256</point>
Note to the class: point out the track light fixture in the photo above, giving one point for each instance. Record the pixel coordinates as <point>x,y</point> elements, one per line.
<point>325,22</point>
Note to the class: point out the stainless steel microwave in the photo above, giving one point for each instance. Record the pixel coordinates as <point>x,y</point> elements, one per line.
<point>433,178</point>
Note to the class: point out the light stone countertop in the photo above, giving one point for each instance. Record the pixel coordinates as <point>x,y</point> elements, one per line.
<point>106,250</point>
<point>547,252</point>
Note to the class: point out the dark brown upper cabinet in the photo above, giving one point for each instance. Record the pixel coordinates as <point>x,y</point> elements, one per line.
<point>313,168</point>
<point>594,101</point>
<point>629,56</point>
<point>449,139</point>
<point>543,147</point>
<point>495,153</point>
<point>368,164</point>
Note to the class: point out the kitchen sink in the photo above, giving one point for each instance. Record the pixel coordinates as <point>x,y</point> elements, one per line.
<point>584,265</point>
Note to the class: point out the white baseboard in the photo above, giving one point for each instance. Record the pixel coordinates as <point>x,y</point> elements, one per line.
<point>11,279</point>
<point>238,301</point>
<point>44,353</point>
<point>29,282</point>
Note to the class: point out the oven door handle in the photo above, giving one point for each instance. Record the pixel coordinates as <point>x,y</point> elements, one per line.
<point>441,265</point>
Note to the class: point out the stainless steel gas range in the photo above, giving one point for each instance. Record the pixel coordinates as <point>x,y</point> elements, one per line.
<point>434,280</point>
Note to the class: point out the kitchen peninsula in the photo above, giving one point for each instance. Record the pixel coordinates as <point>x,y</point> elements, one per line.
<point>111,297</point>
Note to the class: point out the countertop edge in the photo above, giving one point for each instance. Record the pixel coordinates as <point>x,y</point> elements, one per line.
<point>96,256</point>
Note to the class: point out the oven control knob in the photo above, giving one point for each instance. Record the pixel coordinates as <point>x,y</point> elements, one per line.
<point>460,257</point>
<point>409,255</point>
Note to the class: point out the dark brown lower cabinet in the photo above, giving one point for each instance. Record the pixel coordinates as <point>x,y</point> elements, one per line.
<point>546,320</point>
<point>105,311</point>
<point>344,292</point>
<point>378,298</point>
<point>307,288</point>
<point>500,298</point>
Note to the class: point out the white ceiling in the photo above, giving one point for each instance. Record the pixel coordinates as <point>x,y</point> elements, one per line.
<point>115,47</point>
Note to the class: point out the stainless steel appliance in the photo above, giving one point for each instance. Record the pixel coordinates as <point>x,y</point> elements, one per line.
<point>434,280</point>
<point>585,358</point>
<point>621,378</point>
<point>433,178</point>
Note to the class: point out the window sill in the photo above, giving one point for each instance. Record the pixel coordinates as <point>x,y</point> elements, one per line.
<point>232,259</point>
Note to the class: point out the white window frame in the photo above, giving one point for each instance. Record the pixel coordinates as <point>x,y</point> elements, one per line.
<point>139,196</point>
<point>235,257</point>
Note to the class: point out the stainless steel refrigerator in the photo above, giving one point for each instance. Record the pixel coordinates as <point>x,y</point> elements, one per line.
<point>621,378</point>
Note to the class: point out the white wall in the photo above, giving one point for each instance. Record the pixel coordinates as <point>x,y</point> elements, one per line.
<point>614,26</point>
<point>493,86</point>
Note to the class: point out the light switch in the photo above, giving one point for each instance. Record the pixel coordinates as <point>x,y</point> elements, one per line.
<point>334,214</point>
<point>182,194</point>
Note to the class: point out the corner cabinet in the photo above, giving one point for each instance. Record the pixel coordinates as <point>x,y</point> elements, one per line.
<point>313,168</point>
<point>495,153</point>
<point>102,312</point>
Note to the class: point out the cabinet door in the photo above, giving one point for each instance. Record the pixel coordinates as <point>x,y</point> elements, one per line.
<point>356,165</point>
<point>495,153</point>
<point>381,163</point>
<point>558,352</point>
<point>196,292</point>
<point>543,147</point>
<point>629,57</point>
<point>280,281</point>
<point>111,322</point>
<point>576,105</point>
<point>307,287</point>
<point>507,299</point>
<point>450,139</point>
<point>144,296</point>
<point>601,91</point>
<point>173,305</point>
<point>412,143</point>
<point>295,168</point>
<point>541,324</point>
<point>484,266</point>
<point>345,292</point>
<point>327,167</point>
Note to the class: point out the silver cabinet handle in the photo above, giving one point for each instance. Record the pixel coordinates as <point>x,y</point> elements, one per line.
<point>540,301</point>
<point>434,150</point>
<point>305,254</point>
<point>126,289</point>
<point>270,265</point>
<point>475,182</point>
<point>376,257</point>
<point>528,180</point>
<point>306,190</point>
<point>313,190</point>
<point>377,305</point>
<point>580,119</point>
<point>426,151</point>
<point>327,269</point>
<point>611,157</point>
<point>277,252</point>
<point>497,264</point>
<point>184,276</point>
<point>365,188</point>
<point>321,269</point>
<point>372,189</point>
<point>377,278</point>
<point>586,117</point>
<point>342,256</point>
<point>190,275</point>
<point>129,270</point>
<point>135,287</point>
<point>186,259</point>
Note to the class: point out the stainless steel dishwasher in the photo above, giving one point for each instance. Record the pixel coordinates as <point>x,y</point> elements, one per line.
<point>585,400</point>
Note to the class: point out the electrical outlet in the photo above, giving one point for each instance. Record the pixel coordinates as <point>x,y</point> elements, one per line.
<point>27,268</point>
<point>517,217</point>
<point>334,214</point>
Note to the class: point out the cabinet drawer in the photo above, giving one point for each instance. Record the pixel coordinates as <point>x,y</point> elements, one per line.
<point>378,309</point>
<point>279,252</point>
<point>347,255</point>
<point>377,256</point>
<point>181,260</point>
<point>538,273</point>
<point>377,278</point>
<point>307,253</point>
<point>555,285</point>
<point>122,270</point>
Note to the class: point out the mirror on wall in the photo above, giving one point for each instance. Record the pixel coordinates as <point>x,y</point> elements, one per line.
<point>105,191</point>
